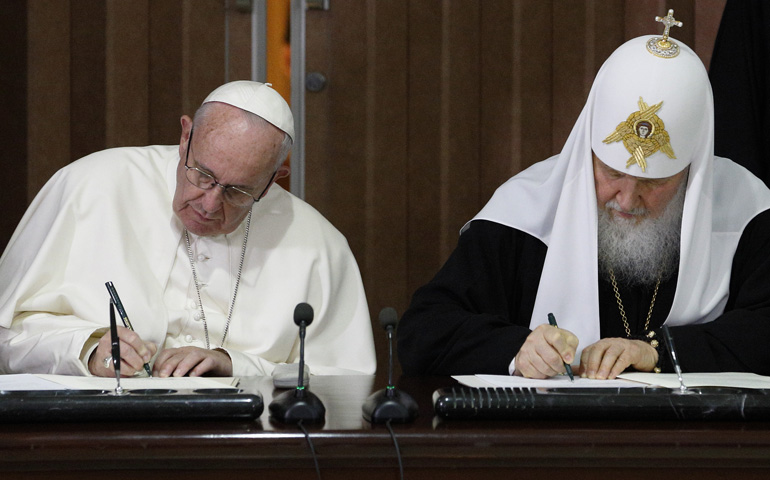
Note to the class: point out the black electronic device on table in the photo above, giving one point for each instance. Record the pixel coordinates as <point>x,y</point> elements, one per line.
<point>133,405</point>
<point>634,403</point>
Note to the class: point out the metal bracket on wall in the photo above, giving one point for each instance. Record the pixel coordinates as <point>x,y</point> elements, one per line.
<point>244,6</point>
<point>317,4</point>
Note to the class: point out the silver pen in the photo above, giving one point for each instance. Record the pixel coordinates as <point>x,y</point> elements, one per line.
<point>674,359</point>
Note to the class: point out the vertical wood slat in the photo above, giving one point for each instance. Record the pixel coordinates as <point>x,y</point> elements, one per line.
<point>459,122</point>
<point>708,16</point>
<point>13,114</point>
<point>385,209</point>
<point>424,22</point>
<point>165,70</point>
<point>203,49</point>
<point>127,73</point>
<point>87,77</point>
<point>500,139</point>
<point>48,92</point>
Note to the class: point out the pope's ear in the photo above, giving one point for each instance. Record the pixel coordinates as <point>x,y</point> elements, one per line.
<point>282,172</point>
<point>186,123</point>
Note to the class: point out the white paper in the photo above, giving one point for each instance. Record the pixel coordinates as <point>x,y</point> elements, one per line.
<point>719,379</point>
<point>67,382</point>
<point>26,381</point>
<point>559,381</point>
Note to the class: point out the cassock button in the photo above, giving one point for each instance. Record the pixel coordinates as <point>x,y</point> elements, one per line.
<point>188,339</point>
<point>197,316</point>
<point>192,305</point>
<point>202,257</point>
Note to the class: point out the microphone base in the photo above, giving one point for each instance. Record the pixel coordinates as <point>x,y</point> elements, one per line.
<point>293,407</point>
<point>394,405</point>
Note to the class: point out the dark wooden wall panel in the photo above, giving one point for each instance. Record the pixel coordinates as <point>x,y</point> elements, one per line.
<point>48,93</point>
<point>459,123</point>
<point>533,66</point>
<point>498,145</point>
<point>385,208</point>
<point>203,50</point>
<point>338,163</point>
<point>127,74</point>
<point>88,100</point>
<point>165,71</point>
<point>425,24</point>
<point>13,112</point>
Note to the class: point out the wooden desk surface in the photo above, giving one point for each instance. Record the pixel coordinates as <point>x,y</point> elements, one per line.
<point>349,447</point>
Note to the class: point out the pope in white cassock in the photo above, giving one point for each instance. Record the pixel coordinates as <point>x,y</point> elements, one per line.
<point>209,257</point>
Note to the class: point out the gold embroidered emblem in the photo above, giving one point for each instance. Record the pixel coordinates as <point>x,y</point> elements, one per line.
<point>643,133</point>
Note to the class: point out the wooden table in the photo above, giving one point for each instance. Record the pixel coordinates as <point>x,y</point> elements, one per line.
<point>349,447</point>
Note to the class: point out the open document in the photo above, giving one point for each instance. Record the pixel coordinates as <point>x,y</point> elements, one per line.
<point>69,382</point>
<point>632,379</point>
<point>559,381</point>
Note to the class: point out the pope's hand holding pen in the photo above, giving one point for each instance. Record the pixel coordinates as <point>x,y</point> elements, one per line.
<point>134,353</point>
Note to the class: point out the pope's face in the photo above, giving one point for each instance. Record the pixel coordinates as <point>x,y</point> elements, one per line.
<point>234,152</point>
<point>633,198</point>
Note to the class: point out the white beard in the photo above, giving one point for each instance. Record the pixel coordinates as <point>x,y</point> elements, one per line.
<point>640,253</point>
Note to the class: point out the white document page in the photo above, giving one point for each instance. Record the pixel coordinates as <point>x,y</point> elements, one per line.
<point>67,382</point>
<point>559,381</point>
<point>26,381</point>
<point>719,379</point>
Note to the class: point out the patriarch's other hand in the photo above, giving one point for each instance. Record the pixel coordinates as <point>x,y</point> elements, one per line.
<point>609,357</point>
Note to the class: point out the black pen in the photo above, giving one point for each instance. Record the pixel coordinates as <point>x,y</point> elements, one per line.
<point>115,344</point>
<point>123,315</point>
<point>552,321</point>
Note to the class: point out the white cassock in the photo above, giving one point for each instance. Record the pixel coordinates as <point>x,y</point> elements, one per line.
<point>108,217</point>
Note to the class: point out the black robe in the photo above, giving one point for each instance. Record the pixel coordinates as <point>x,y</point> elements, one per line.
<point>740,79</point>
<point>474,316</point>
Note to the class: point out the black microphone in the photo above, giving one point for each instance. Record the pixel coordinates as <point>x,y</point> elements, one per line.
<point>389,403</point>
<point>300,404</point>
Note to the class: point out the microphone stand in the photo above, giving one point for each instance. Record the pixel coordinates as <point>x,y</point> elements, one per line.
<point>389,403</point>
<point>299,405</point>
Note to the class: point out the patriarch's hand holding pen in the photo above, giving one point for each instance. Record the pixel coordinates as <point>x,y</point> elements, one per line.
<point>134,353</point>
<point>545,351</point>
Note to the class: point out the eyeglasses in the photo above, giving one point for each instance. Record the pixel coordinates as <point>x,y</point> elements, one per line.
<point>235,196</point>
